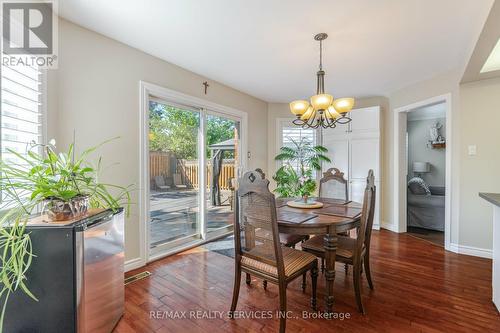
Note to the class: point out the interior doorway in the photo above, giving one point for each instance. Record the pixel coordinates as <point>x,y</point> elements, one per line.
<point>414,212</point>
<point>426,172</point>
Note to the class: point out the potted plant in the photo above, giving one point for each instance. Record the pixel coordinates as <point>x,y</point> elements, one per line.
<point>42,181</point>
<point>300,161</point>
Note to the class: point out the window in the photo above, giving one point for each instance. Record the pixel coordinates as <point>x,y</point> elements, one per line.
<point>289,133</point>
<point>21,110</point>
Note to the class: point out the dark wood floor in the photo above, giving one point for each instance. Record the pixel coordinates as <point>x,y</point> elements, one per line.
<point>433,236</point>
<point>418,288</point>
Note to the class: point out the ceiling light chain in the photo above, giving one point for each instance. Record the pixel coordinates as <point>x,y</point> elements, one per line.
<point>323,111</point>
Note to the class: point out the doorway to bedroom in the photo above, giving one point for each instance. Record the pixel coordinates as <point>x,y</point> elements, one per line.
<point>426,172</point>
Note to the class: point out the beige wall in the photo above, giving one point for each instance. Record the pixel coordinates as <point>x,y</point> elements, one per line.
<point>480,107</point>
<point>95,91</point>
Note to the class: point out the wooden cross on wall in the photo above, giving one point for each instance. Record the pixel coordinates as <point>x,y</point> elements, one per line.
<point>206,86</point>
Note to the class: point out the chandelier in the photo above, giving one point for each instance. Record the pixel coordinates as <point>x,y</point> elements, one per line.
<point>323,111</point>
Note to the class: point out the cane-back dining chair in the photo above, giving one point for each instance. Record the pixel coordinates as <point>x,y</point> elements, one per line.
<point>333,185</point>
<point>289,240</point>
<point>265,256</point>
<point>353,251</point>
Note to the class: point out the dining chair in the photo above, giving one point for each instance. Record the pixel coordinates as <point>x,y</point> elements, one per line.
<point>289,240</point>
<point>265,256</point>
<point>353,251</point>
<point>333,185</point>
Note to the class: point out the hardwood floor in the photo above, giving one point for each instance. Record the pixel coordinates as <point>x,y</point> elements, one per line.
<point>418,288</point>
<point>433,236</point>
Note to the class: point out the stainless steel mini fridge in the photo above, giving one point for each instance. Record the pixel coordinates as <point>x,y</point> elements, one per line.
<point>77,275</point>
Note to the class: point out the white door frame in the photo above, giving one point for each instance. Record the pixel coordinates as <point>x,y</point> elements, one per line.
<point>146,90</point>
<point>400,164</point>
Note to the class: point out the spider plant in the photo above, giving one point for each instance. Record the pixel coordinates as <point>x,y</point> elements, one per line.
<point>295,176</point>
<point>39,176</point>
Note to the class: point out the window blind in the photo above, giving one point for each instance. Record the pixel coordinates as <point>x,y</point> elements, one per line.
<point>21,118</point>
<point>290,133</point>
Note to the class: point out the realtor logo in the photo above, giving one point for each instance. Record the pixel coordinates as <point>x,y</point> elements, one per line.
<point>29,33</point>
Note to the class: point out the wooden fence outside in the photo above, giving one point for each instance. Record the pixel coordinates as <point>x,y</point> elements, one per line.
<point>159,164</point>
<point>165,165</point>
<point>226,173</point>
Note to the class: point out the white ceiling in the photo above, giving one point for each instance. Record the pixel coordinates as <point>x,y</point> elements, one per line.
<point>265,47</point>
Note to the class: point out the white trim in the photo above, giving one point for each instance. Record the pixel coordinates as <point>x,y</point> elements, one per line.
<point>143,173</point>
<point>399,213</point>
<point>134,264</point>
<point>388,226</point>
<point>202,177</point>
<point>146,90</point>
<point>471,251</point>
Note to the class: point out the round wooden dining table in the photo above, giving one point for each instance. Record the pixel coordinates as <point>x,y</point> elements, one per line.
<point>336,216</point>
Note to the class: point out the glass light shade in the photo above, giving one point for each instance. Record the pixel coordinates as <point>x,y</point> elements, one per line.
<point>299,107</point>
<point>321,101</point>
<point>343,105</point>
<point>308,114</point>
<point>331,113</point>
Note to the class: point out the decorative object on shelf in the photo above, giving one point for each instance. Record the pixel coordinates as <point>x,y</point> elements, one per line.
<point>323,111</point>
<point>295,177</point>
<point>63,185</point>
<point>421,167</point>
<point>437,140</point>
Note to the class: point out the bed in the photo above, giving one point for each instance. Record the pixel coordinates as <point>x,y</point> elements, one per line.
<point>426,210</point>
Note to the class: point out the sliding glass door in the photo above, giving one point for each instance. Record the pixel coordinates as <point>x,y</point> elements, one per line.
<point>174,195</point>
<point>222,149</point>
<point>194,160</point>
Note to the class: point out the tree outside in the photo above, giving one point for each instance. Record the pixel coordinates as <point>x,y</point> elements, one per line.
<point>175,130</point>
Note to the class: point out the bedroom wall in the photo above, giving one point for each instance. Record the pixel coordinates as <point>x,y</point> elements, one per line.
<point>95,92</point>
<point>420,151</point>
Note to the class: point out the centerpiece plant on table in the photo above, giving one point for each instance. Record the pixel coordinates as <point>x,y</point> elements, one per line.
<point>299,163</point>
<point>43,181</point>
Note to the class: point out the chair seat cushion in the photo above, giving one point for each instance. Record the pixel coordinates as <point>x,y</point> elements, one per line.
<point>291,239</point>
<point>345,246</point>
<point>294,261</point>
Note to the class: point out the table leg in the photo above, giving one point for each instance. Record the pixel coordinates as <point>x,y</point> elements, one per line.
<point>330,244</point>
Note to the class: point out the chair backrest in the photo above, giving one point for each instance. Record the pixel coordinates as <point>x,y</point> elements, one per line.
<point>255,211</point>
<point>177,179</point>
<point>333,185</point>
<point>367,214</point>
<point>159,181</point>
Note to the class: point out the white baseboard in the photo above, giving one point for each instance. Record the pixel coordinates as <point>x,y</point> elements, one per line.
<point>376,227</point>
<point>134,264</point>
<point>388,226</point>
<point>471,250</point>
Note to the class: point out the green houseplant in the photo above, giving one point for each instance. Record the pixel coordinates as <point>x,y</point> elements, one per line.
<point>300,161</point>
<point>41,180</point>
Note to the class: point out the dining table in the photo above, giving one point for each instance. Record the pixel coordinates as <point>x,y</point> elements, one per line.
<point>336,216</point>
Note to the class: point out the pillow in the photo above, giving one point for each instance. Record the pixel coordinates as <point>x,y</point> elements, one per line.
<point>418,186</point>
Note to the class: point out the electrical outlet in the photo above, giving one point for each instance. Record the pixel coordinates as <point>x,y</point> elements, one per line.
<point>472,150</point>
